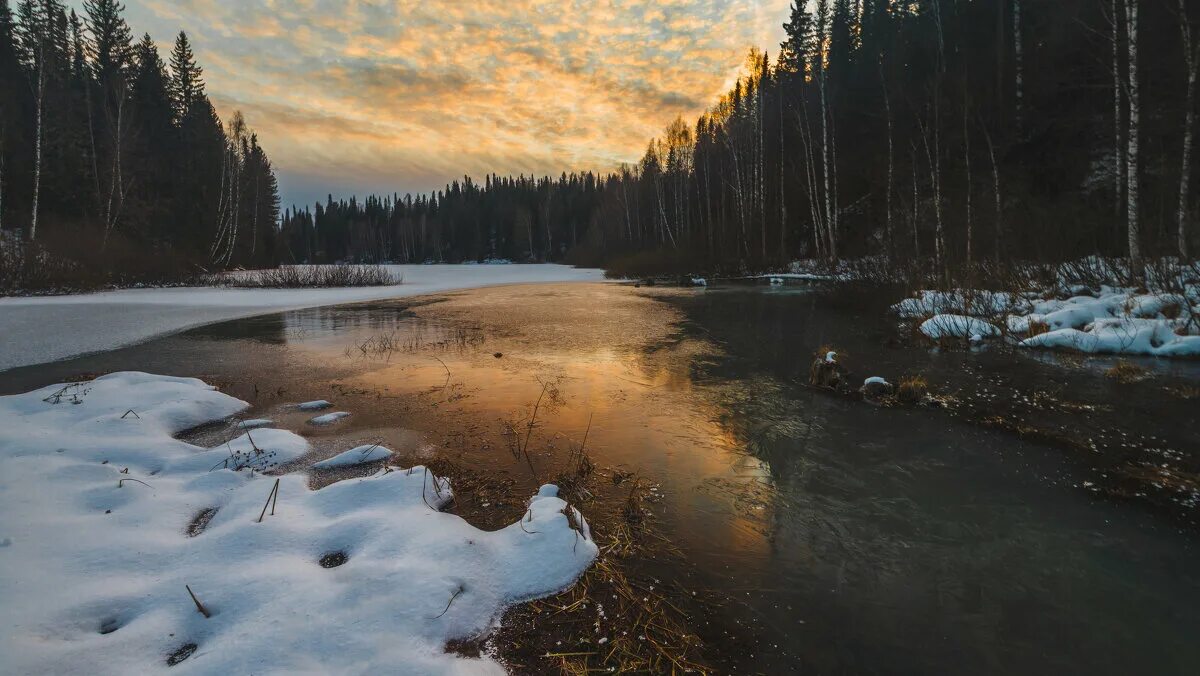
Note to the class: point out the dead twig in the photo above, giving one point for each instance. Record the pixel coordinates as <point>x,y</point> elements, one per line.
<point>272,495</point>
<point>199,606</point>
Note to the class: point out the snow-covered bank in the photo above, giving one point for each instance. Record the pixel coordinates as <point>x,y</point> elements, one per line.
<point>106,520</point>
<point>1109,321</point>
<point>48,328</point>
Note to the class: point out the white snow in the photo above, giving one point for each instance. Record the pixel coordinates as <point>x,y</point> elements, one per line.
<point>957,326</point>
<point>49,328</point>
<point>876,380</point>
<point>1112,320</point>
<point>356,456</point>
<point>95,513</point>
<point>255,423</point>
<point>314,405</point>
<point>329,418</point>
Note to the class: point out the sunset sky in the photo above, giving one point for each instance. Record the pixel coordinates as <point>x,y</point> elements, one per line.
<point>358,96</point>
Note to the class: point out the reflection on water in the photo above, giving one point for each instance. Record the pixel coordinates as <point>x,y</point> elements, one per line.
<point>837,537</point>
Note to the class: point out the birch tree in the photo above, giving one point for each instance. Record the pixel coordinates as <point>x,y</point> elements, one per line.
<point>1132,173</point>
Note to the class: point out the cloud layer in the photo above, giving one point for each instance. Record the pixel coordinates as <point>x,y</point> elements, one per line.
<point>382,95</point>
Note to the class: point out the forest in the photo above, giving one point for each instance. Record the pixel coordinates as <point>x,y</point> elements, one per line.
<point>947,132</point>
<point>116,161</point>
<point>950,132</point>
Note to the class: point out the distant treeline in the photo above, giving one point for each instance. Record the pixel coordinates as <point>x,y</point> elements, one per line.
<point>949,131</point>
<point>108,156</point>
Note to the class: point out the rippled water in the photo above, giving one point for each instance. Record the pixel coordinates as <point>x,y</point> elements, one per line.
<point>831,535</point>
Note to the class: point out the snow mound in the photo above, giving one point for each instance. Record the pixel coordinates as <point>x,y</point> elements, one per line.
<point>106,519</point>
<point>355,456</point>
<point>957,326</point>
<point>876,380</point>
<point>255,423</point>
<point>1112,320</point>
<point>329,418</point>
<point>1121,336</point>
<point>318,405</point>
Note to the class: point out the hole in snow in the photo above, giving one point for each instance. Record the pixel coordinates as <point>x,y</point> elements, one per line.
<point>109,625</point>
<point>201,521</point>
<point>333,559</point>
<point>182,653</point>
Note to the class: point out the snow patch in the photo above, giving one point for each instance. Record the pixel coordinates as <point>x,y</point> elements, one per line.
<point>329,418</point>
<point>355,456</point>
<point>100,512</point>
<point>318,405</point>
<point>957,326</point>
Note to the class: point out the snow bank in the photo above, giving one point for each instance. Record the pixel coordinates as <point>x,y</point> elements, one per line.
<point>355,456</point>
<point>957,326</point>
<point>106,518</point>
<point>48,328</point>
<point>255,423</point>
<point>1113,320</point>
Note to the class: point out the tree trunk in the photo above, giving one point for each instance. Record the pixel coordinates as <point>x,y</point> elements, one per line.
<point>891,159</point>
<point>1191,58</point>
<point>37,165</point>
<point>1019,63</point>
<point>1131,153</point>
<point>1118,120</point>
<point>999,230</point>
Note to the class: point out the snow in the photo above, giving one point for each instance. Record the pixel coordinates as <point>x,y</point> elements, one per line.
<point>42,329</point>
<point>97,552</point>
<point>314,405</point>
<point>876,380</point>
<point>831,357</point>
<point>957,326</point>
<point>329,418</point>
<point>356,456</point>
<point>256,422</point>
<point>1110,320</point>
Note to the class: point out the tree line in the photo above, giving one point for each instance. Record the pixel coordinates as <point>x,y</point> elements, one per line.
<point>947,131</point>
<point>110,155</point>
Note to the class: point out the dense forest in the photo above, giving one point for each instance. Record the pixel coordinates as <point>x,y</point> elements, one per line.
<point>946,131</point>
<point>110,156</point>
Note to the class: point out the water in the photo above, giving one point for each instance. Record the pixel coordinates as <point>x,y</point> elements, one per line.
<point>824,535</point>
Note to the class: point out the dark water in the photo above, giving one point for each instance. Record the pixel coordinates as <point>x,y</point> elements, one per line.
<point>831,536</point>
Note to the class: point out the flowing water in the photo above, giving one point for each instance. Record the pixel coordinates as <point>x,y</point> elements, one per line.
<point>830,535</point>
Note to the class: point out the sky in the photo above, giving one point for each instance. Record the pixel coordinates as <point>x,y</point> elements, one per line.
<point>381,96</point>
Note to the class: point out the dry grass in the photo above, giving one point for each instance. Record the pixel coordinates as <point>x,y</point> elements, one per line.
<point>1037,328</point>
<point>312,276</point>
<point>1126,372</point>
<point>912,390</point>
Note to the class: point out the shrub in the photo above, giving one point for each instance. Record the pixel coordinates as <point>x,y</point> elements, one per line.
<point>1126,372</point>
<point>912,389</point>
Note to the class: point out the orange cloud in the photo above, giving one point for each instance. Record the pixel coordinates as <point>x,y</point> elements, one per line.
<point>410,94</point>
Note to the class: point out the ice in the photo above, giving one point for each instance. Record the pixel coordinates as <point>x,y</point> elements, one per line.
<point>39,329</point>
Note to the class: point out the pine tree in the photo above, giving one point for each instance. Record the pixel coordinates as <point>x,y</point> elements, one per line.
<point>187,78</point>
